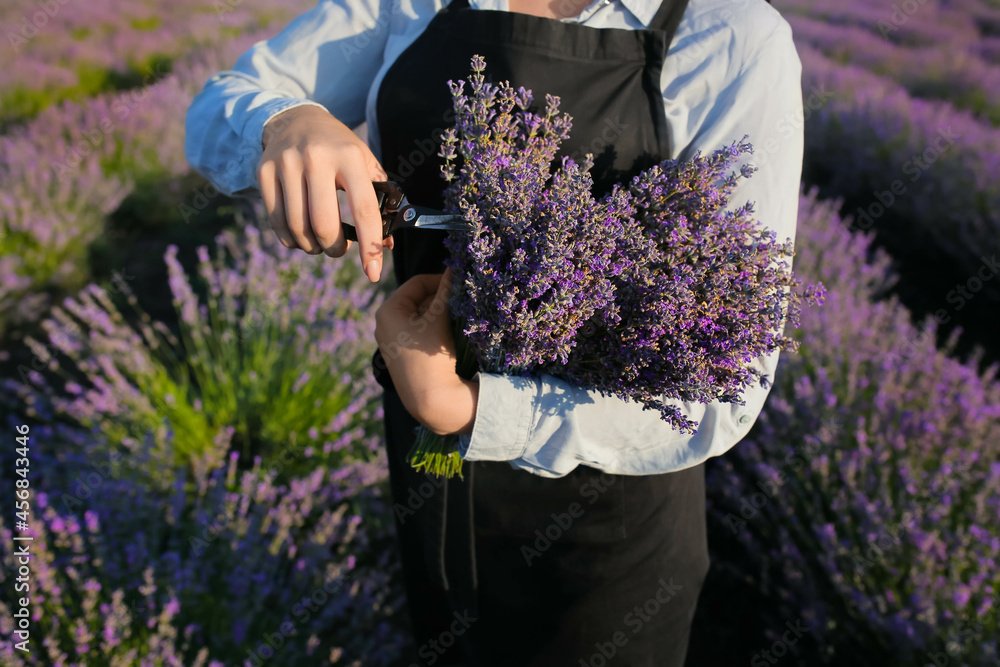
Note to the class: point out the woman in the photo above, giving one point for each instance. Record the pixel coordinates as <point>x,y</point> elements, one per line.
<point>578,534</point>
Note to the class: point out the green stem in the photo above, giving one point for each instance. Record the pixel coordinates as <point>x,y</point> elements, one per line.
<point>467,365</point>
<point>435,454</point>
<point>438,454</point>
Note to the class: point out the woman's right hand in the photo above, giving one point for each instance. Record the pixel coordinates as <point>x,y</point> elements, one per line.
<point>308,156</point>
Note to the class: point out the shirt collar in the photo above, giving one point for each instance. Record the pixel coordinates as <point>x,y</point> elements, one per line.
<point>644,10</point>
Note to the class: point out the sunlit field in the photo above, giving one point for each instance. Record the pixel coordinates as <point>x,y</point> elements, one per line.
<point>190,411</point>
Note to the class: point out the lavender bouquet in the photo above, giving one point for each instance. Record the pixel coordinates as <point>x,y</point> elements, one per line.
<point>652,292</point>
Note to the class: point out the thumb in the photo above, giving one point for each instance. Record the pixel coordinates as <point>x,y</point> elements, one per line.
<point>445,286</point>
<point>437,302</point>
<point>375,170</point>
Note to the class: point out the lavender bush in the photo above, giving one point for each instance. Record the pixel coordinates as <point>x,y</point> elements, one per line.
<point>865,499</point>
<point>247,572</point>
<point>267,362</point>
<point>154,544</point>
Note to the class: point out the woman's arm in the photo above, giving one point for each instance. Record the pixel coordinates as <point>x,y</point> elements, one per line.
<point>725,78</point>
<point>280,121</point>
<point>326,57</point>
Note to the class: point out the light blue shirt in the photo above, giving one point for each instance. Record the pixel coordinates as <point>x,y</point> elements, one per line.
<point>732,69</point>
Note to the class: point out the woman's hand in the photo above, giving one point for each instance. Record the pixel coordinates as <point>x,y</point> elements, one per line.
<point>413,332</point>
<point>309,155</point>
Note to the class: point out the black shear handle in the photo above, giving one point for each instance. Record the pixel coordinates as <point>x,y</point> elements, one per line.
<point>390,197</point>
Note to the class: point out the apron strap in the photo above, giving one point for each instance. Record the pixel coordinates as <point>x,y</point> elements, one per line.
<point>668,17</point>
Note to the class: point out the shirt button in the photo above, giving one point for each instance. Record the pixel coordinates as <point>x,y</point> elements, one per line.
<point>745,419</point>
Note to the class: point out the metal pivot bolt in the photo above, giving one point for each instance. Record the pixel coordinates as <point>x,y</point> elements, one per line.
<point>409,214</point>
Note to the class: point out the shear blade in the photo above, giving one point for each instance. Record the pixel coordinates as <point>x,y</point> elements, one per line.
<point>427,218</point>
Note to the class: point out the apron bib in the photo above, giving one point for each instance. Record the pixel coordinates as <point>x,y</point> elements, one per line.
<point>608,80</point>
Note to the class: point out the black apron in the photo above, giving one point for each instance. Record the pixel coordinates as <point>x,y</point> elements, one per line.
<point>609,82</point>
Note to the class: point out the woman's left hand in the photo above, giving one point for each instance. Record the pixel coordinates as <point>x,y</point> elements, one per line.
<point>413,332</point>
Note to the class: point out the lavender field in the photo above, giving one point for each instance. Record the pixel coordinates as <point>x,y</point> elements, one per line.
<point>208,480</point>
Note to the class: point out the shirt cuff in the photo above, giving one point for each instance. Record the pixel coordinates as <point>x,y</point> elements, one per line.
<point>743,417</point>
<point>504,414</point>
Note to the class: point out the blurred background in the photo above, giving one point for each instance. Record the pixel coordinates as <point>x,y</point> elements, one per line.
<point>208,483</point>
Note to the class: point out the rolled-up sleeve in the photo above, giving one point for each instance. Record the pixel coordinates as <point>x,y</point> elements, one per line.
<point>548,426</point>
<point>327,57</point>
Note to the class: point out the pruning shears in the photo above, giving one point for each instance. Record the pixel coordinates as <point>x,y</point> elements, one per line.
<point>398,213</point>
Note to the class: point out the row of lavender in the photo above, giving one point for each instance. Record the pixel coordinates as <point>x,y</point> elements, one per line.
<point>864,502</point>
<point>66,169</point>
<point>71,50</point>
<point>942,50</point>
<point>902,103</point>
<point>918,161</point>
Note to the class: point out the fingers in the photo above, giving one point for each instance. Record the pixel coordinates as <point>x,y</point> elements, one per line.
<point>436,301</point>
<point>324,210</point>
<point>302,168</point>
<point>363,202</point>
<point>440,303</point>
<point>274,203</point>
<point>444,287</point>
<point>416,291</point>
<point>297,210</point>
